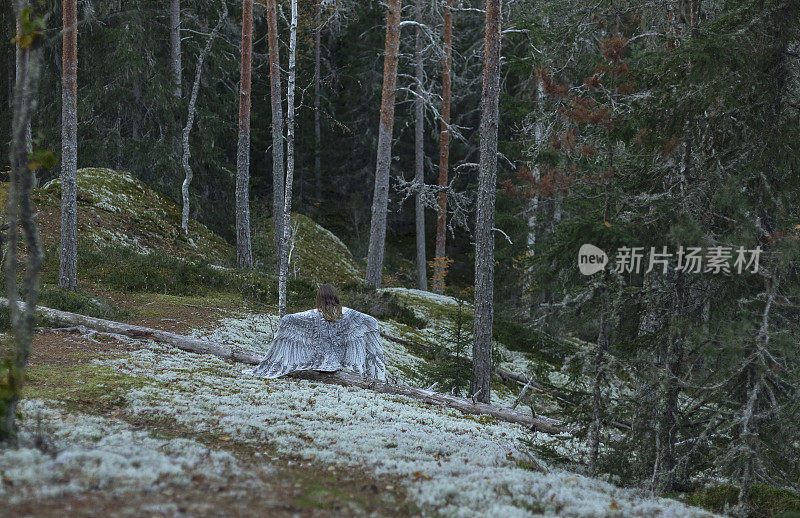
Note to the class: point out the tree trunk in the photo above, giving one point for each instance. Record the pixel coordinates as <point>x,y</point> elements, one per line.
<point>17,59</point>
<point>187,169</point>
<point>598,378</point>
<point>664,471</point>
<point>277,130</point>
<point>317,131</point>
<point>175,45</point>
<point>484,234</point>
<point>68,252</point>
<point>380,198</point>
<point>419,155</point>
<point>175,69</point>
<point>11,66</point>
<point>754,374</point>
<point>287,202</point>
<point>244,254</point>
<point>20,213</point>
<point>444,149</point>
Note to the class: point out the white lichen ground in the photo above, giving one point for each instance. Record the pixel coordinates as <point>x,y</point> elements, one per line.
<point>93,453</point>
<point>451,463</point>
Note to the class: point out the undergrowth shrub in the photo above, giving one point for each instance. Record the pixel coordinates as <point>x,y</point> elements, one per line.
<point>381,305</point>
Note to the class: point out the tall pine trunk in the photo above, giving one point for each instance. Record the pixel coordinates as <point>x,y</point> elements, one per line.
<point>186,155</point>
<point>68,251</point>
<point>20,213</point>
<point>287,203</point>
<point>444,150</point>
<point>664,476</point>
<point>484,234</point>
<point>419,154</point>
<point>277,130</point>
<point>317,131</point>
<point>380,199</point>
<point>243,252</point>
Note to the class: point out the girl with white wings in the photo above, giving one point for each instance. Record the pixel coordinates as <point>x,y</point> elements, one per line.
<point>327,338</point>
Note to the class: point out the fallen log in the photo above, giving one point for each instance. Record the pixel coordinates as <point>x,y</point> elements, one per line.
<point>187,343</point>
<point>505,375</point>
<point>237,354</point>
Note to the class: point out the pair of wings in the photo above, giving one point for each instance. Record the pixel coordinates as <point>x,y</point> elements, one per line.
<point>306,341</point>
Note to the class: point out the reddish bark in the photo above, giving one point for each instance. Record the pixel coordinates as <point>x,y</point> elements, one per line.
<point>444,141</point>
<point>243,249</point>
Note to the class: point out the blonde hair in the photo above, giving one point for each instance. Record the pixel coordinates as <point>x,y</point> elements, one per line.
<point>328,303</point>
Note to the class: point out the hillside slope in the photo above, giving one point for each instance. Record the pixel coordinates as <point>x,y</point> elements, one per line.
<point>116,209</point>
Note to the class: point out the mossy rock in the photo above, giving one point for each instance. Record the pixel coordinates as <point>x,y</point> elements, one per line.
<point>318,256</point>
<point>114,208</point>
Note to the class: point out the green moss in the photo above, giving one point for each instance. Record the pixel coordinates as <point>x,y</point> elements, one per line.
<point>81,386</point>
<point>764,500</point>
<point>318,256</point>
<point>114,208</point>
<point>382,305</point>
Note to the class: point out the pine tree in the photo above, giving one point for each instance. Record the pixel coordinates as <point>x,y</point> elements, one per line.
<point>484,227</point>
<point>444,146</point>
<point>243,250</point>
<point>419,152</point>
<point>68,251</point>
<point>277,130</point>
<point>380,198</point>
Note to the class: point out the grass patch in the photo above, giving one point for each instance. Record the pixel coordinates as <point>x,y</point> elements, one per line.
<point>123,269</point>
<point>85,387</point>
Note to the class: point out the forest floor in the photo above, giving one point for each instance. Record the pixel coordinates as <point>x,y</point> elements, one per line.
<point>131,427</point>
<point>73,399</point>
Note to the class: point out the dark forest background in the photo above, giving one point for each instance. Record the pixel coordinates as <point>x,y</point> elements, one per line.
<point>663,123</point>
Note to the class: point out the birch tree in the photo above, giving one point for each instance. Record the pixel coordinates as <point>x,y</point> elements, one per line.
<point>17,67</point>
<point>484,236</point>
<point>287,203</point>
<point>277,130</point>
<point>444,149</point>
<point>175,69</point>
<point>20,213</point>
<point>175,45</point>
<point>186,155</point>
<point>244,253</point>
<point>380,198</point>
<point>68,251</point>
<point>419,153</point>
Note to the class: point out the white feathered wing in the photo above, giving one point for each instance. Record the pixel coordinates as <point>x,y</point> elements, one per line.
<point>306,341</point>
